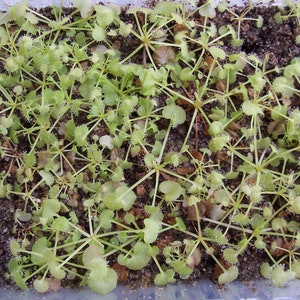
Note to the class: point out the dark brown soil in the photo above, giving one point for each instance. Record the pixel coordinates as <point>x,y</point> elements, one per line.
<point>275,41</point>
<point>6,226</point>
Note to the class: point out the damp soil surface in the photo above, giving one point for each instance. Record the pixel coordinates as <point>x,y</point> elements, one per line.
<point>273,43</point>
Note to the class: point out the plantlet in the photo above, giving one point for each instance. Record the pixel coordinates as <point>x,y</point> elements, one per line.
<point>239,19</point>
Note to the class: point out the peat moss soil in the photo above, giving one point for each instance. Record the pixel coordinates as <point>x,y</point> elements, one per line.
<point>277,41</point>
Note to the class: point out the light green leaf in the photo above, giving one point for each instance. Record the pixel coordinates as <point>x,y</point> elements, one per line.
<point>230,255</point>
<point>121,198</point>
<point>105,15</point>
<point>171,189</point>
<point>175,113</point>
<point>186,74</point>
<point>292,70</point>
<point>90,253</point>
<point>284,86</point>
<point>240,219</point>
<point>251,109</point>
<point>50,208</point>
<point>165,277</point>
<point>47,177</point>
<point>151,230</point>
<point>19,280</point>
<point>6,122</point>
<point>217,52</point>
<point>98,34</point>
<point>137,259</point>
<point>29,159</point>
<point>228,275</point>
<point>279,112</point>
<point>60,224</point>
<point>106,218</point>
<point>41,285</point>
<point>207,10</point>
<point>40,251</point>
<point>76,72</point>
<point>106,284</point>
<point>98,268</point>
<point>80,134</point>
<point>180,224</point>
<point>56,271</point>
<point>259,22</point>
<point>296,268</point>
<point>149,78</point>
<point>280,276</point>
<point>14,247</point>
<point>32,18</point>
<point>218,143</point>
<point>149,160</point>
<point>3,34</point>
<point>86,7</point>
<point>153,224</point>
<point>216,236</point>
<point>257,81</point>
<point>4,189</point>
<point>216,128</point>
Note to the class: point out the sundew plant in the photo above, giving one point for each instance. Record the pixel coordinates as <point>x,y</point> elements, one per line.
<point>134,138</point>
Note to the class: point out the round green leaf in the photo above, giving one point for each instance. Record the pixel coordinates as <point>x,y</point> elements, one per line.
<point>93,251</point>
<point>56,271</point>
<point>60,224</point>
<point>165,277</point>
<point>86,7</point>
<point>41,285</point>
<point>218,143</point>
<point>14,247</point>
<point>216,128</point>
<point>217,52</point>
<point>280,276</point>
<point>171,189</point>
<point>230,255</point>
<point>175,113</point>
<point>121,198</point>
<point>98,34</point>
<point>106,284</point>
<point>151,230</point>
<point>186,74</point>
<point>251,109</point>
<point>228,275</point>
<point>284,86</point>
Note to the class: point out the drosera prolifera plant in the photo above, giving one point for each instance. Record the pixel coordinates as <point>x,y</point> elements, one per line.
<point>129,144</point>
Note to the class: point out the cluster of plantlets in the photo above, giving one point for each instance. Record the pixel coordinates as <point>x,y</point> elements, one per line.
<point>165,153</point>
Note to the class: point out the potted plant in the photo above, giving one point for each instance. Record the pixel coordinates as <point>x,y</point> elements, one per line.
<point>150,145</point>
